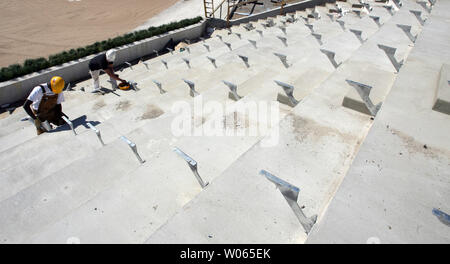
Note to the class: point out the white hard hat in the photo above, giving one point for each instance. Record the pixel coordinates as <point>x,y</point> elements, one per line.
<point>111,55</point>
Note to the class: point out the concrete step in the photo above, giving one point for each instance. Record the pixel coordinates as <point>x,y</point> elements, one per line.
<point>48,200</point>
<point>21,136</point>
<point>63,149</point>
<point>159,190</point>
<point>30,196</point>
<point>345,128</point>
<point>400,175</point>
<point>259,214</point>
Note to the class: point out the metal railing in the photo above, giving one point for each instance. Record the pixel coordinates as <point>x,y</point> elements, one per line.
<point>216,11</point>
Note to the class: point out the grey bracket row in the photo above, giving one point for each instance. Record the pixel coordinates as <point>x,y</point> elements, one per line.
<point>97,132</point>
<point>331,16</point>
<point>364,91</point>
<point>165,63</point>
<point>376,19</point>
<point>233,95</point>
<point>145,63</point>
<point>291,18</point>
<point>249,26</point>
<point>290,194</point>
<point>283,59</point>
<point>283,39</point>
<point>441,216</point>
<point>133,85</point>
<point>305,19</point>
<point>129,65</point>
<point>70,124</point>
<point>390,52</point>
<point>398,3</point>
<point>425,6</point>
<point>133,148</point>
<point>358,34</point>
<point>339,9</point>
<point>390,9</point>
<point>366,5</point>
<point>318,37</point>
<point>341,23</point>
<point>287,99</point>
<point>212,60</point>
<point>260,32</point>
<point>191,85</point>
<point>68,87</point>
<point>228,45</point>
<point>269,23</point>
<point>442,95</point>
<point>159,85</point>
<point>331,57</point>
<point>187,61</point>
<point>418,15</point>
<point>311,27</point>
<point>244,59</point>
<point>315,14</point>
<point>192,165</point>
<point>407,30</point>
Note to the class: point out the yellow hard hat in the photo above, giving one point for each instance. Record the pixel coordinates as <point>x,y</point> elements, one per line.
<point>124,86</point>
<point>57,84</point>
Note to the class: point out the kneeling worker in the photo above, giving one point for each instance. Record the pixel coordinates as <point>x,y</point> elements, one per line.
<point>104,62</point>
<point>44,104</point>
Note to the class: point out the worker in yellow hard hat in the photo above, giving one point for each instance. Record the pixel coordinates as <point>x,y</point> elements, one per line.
<point>43,104</point>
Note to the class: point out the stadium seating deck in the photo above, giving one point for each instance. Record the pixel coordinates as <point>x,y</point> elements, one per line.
<point>342,156</point>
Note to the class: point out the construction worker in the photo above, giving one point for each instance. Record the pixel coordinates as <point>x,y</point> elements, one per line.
<point>104,62</point>
<point>43,104</point>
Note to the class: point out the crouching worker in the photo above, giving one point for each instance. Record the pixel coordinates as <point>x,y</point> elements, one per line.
<point>44,104</point>
<point>104,62</point>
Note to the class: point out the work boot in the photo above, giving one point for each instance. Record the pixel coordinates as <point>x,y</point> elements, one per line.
<point>39,130</point>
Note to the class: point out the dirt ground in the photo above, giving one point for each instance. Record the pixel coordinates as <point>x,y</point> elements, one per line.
<point>39,28</point>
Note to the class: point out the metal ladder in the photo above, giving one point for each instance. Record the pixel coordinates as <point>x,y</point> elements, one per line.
<point>209,8</point>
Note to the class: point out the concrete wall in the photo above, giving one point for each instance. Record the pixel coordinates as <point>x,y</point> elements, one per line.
<point>19,88</point>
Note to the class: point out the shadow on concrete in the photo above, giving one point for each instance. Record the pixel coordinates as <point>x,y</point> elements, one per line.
<point>10,108</point>
<point>104,91</point>
<point>80,121</point>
